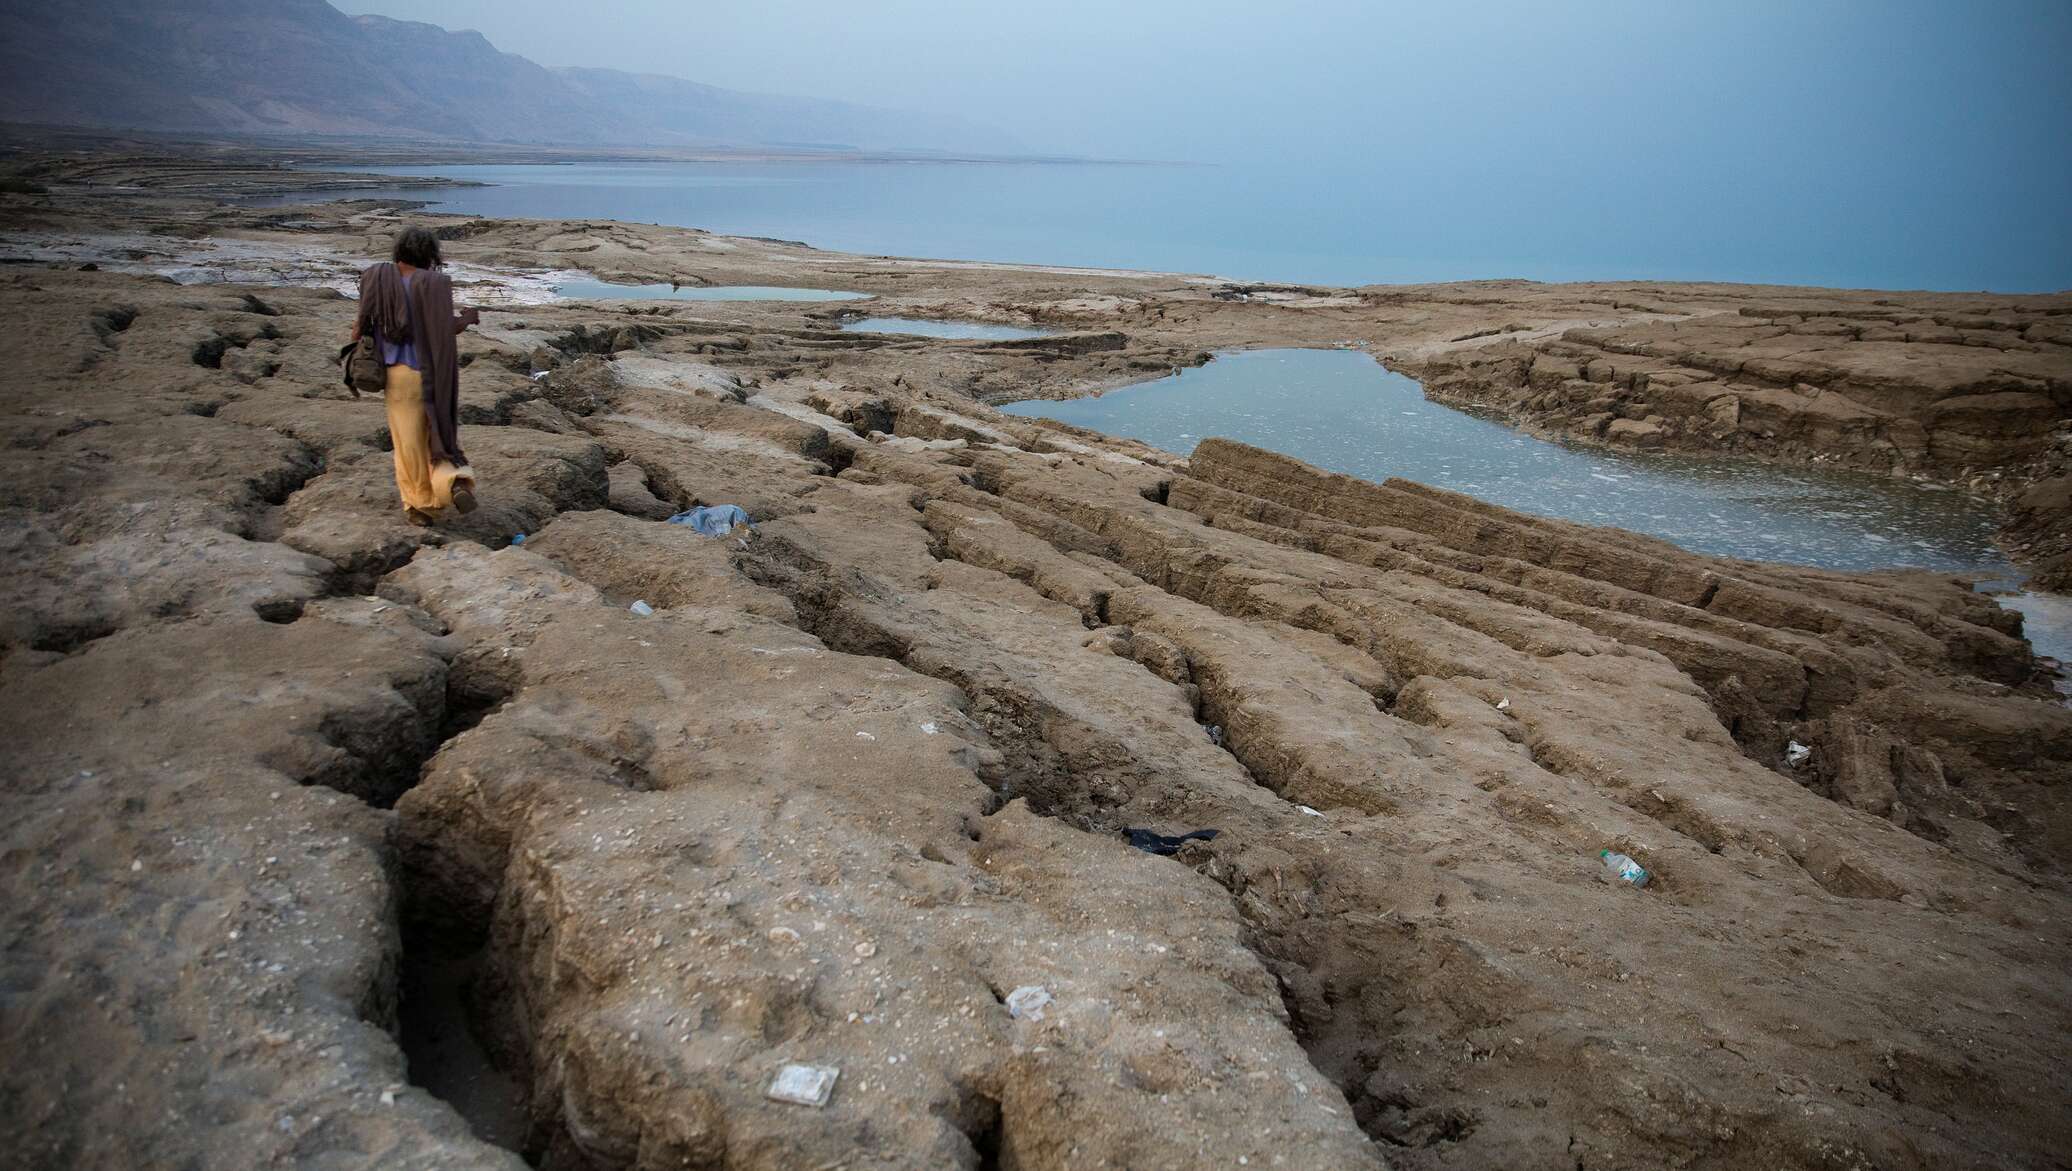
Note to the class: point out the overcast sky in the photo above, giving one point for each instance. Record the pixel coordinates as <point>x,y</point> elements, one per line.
<point>1787,83</point>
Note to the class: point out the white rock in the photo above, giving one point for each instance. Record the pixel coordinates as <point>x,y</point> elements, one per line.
<point>804,1085</point>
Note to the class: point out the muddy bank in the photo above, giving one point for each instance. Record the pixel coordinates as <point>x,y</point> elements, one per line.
<point>1973,391</point>
<point>865,772</point>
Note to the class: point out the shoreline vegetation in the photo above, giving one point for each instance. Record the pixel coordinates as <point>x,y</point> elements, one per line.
<point>297,789</point>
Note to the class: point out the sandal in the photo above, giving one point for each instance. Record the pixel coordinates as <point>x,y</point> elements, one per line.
<point>418,517</point>
<point>463,499</point>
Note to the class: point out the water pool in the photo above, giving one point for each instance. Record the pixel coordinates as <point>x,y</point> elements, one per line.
<point>1340,409</point>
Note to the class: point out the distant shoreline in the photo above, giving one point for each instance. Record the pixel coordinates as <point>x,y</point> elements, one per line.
<point>300,150</point>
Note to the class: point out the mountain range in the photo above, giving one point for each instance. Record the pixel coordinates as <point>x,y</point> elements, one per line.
<point>302,67</point>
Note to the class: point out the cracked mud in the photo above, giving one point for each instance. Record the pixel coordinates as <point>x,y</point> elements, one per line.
<point>335,841</point>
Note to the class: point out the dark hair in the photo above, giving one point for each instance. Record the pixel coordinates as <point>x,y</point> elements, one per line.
<point>418,248</point>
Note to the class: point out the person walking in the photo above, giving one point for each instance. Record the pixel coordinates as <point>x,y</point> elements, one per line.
<point>406,305</point>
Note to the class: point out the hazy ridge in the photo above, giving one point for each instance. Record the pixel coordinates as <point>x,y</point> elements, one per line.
<point>304,67</point>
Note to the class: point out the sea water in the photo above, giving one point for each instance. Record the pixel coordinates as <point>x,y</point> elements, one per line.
<point>1339,220</point>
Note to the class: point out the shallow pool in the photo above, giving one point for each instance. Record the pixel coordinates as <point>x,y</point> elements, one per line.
<point>960,330</point>
<point>1340,409</point>
<point>590,289</point>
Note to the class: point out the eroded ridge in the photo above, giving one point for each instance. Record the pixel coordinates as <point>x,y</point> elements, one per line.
<point>1973,390</point>
<point>864,773</point>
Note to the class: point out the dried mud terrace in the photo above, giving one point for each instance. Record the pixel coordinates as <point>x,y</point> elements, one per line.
<point>271,753</point>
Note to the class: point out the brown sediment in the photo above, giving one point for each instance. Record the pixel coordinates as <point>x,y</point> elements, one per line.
<point>865,771</point>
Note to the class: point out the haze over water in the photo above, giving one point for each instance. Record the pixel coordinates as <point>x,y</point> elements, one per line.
<point>1848,143</point>
<point>1325,222</point>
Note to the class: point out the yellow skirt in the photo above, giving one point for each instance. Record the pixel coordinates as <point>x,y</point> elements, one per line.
<point>422,484</point>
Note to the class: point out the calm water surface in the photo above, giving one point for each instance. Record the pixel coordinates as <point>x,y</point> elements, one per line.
<point>960,330</point>
<point>1341,410</point>
<point>1341,220</point>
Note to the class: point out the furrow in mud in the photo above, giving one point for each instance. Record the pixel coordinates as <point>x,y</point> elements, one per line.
<point>1493,720</point>
<point>751,892</point>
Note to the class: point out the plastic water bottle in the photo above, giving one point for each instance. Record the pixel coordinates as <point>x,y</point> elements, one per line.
<point>1620,868</point>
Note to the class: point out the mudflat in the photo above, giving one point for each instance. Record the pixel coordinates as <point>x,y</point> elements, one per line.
<point>294,788</point>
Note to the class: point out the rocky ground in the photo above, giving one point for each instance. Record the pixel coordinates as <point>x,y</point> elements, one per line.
<point>337,842</point>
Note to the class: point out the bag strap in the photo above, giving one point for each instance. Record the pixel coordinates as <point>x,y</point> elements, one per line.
<point>345,363</point>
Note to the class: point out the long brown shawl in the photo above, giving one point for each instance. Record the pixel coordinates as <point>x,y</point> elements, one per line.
<point>390,305</point>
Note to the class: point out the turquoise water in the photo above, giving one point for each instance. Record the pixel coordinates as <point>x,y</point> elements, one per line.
<point>1342,220</point>
<point>594,290</point>
<point>960,330</point>
<point>1341,410</point>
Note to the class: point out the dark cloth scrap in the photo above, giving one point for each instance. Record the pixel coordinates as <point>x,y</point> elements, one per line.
<point>1152,842</point>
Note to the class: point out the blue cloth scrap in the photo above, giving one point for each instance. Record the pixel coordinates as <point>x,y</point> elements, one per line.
<point>715,521</point>
<point>397,354</point>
